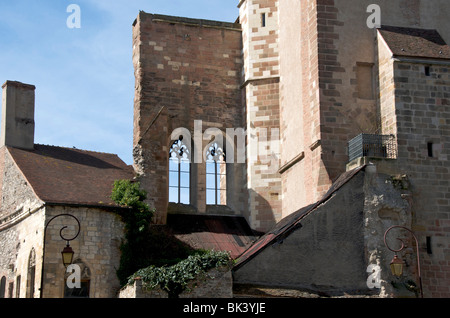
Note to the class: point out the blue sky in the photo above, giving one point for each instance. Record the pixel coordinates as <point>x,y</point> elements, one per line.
<point>84,76</point>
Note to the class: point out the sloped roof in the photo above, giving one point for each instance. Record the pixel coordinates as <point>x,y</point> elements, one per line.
<point>213,232</point>
<point>71,176</point>
<point>413,42</point>
<point>292,222</point>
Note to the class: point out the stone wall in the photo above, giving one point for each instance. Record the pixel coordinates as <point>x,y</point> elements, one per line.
<point>325,253</point>
<point>263,178</point>
<point>17,126</point>
<point>97,248</point>
<point>21,228</point>
<point>16,192</point>
<point>21,250</point>
<point>422,107</point>
<point>385,81</point>
<point>260,28</point>
<point>186,70</point>
<point>334,247</point>
<point>259,20</point>
<point>215,283</point>
<point>328,88</point>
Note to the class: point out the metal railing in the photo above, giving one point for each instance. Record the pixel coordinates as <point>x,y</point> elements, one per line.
<point>375,146</point>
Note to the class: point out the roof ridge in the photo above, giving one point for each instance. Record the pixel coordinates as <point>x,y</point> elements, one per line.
<point>70,175</point>
<point>79,149</point>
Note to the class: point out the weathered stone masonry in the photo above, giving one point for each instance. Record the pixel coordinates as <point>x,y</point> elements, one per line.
<point>260,27</point>
<point>421,119</point>
<point>186,70</point>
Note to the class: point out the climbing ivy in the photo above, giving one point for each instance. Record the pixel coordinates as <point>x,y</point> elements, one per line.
<point>137,223</point>
<point>144,245</point>
<point>174,279</point>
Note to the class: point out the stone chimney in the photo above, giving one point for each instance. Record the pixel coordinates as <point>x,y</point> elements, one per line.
<point>17,128</point>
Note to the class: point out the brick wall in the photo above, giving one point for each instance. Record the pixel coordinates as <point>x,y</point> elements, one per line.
<point>263,178</point>
<point>259,20</point>
<point>192,68</point>
<point>306,54</point>
<point>334,126</point>
<point>423,121</point>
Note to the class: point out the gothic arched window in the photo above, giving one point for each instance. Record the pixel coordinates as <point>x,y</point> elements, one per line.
<point>216,175</point>
<point>83,290</point>
<point>31,274</point>
<point>179,172</point>
<point>2,287</point>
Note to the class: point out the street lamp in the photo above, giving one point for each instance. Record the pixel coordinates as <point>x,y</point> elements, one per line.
<point>397,263</point>
<point>67,255</point>
<point>397,266</point>
<point>67,252</point>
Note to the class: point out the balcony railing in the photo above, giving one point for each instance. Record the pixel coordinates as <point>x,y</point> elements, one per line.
<point>375,146</point>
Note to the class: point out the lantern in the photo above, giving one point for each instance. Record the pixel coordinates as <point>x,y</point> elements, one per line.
<point>397,266</point>
<point>67,255</point>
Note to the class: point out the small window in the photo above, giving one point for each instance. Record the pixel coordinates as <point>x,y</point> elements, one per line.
<point>216,176</point>
<point>429,251</point>
<point>179,173</point>
<point>427,71</point>
<point>11,290</point>
<point>2,287</point>
<point>18,279</point>
<point>263,20</point>
<point>430,149</point>
<point>31,274</point>
<point>364,78</point>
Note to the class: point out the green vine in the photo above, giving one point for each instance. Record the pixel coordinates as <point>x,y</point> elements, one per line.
<point>137,223</point>
<point>144,245</point>
<point>174,279</point>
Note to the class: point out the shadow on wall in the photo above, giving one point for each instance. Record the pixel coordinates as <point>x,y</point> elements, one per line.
<point>260,213</point>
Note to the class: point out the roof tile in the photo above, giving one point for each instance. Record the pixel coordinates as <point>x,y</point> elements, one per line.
<point>412,42</point>
<point>71,176</point>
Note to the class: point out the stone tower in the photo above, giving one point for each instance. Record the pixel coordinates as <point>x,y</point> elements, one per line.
<point>188,77</point>
<point>261,78</point>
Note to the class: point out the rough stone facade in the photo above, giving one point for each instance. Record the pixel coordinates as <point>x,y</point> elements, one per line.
<point>418,116</point>
<point>21,228</point>
<point>312,74</point>
<point>97,248</point>
<point>97,251</point>
<point>352,84</point>
<point>44,192</point>
<point>22,224</point>
<point>21,246</point>
<point>215,283</point>
<point>301,77</point>
<point>186,70</point>
<point>261,77</point>
<point>331,247</point>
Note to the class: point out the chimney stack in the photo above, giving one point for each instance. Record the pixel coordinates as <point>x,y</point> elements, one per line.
<point>17,128</point>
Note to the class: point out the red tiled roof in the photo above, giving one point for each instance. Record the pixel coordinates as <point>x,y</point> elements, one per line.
<point>71,176</point>
<point>212,232</point>
<point>412,42</point>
